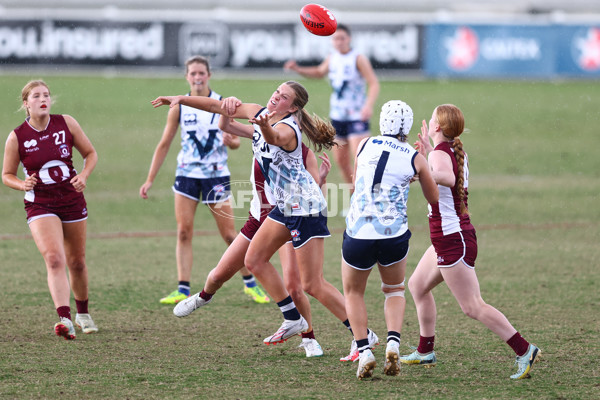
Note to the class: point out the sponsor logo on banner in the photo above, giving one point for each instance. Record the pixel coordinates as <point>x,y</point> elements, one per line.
<point>463,49</point>
<point>81,41</point>
<point>586,49</point>
<point>268,46</point>
<point>492,49</point>
<point>208,39</point>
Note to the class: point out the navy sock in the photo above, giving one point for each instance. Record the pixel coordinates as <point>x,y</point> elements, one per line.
<point>393,336</point>
<point>184,287</point>
<point>288,308</point>
<point>362,345</point>
<point>347,325</point>
<point>249,281</point>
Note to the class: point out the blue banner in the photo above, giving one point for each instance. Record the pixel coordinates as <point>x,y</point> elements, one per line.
<point>490,51</point>
<point>578,51</point>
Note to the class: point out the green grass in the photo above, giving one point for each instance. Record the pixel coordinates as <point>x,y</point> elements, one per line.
<point>533,196</point>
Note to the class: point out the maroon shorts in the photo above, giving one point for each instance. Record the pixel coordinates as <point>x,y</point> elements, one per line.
<point>67,213</point>
<point>458,246</point>
<point>251,226</point>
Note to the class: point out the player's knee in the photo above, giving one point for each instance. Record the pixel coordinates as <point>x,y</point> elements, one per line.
<point>393,290</point>
<point>294,289</point>
<point>471,309</point>
<point>77,265</point>
<point>54,260</point>
<point>215,278</point>
<point>252,263</point>
<point>184,233</point>
<point>296,293</point>
<point>229,238</point>
<point>415,287</point>
<point>312,287</point>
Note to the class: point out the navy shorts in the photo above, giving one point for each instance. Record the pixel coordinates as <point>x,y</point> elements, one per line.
<point>343,129</point>
<point>213,190</point>
<point>302,228</point>
<point>455,247</point>
<point>365,253</point>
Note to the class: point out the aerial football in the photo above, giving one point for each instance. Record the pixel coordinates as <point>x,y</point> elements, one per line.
<point>318,20</point>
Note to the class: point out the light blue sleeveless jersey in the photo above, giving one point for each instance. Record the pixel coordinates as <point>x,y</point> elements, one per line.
<point>203,154</point>
<point>348,96</point>
<point>384,168</point>
<point>294,190</point>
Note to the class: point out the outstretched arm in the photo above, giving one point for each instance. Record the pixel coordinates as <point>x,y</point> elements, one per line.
<point>230,126</point>
<point>313,71</point>
<point>281,135</point>
<point>245,110</point>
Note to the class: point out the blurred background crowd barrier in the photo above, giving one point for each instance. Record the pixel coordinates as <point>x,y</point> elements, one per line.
<point>470,39</point>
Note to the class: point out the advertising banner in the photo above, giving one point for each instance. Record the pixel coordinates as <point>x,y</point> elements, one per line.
<point>86,42</point>
<point>229,45</point>
<point>490,51</point>
<point>578,51</point>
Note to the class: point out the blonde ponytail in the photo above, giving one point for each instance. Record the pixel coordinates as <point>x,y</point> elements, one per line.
<point>319,132</point>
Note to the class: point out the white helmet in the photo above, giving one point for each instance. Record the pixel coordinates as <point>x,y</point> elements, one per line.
<point>396,118</point>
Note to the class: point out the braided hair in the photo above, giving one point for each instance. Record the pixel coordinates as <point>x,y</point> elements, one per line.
<point>452,123</point>
<point>319,132</point>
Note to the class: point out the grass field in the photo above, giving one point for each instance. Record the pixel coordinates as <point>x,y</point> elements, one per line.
<point>534,191</point>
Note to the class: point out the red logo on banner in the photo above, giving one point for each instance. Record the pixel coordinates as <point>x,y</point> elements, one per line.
<point>589,50</point>
<point>463,49</point>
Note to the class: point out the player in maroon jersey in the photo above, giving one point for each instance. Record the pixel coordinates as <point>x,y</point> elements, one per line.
<point>54,202</point>
<point>452,256</point>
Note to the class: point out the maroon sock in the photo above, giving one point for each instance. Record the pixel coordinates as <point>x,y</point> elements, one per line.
<point>425,344</point>
<point>308,335</point>
<point>82,306</point>
<point>64,312</point>
<point>206,296</point>
<point>518,344</point>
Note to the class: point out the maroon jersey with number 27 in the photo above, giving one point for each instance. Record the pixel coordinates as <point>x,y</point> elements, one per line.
<point>48,154</point>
